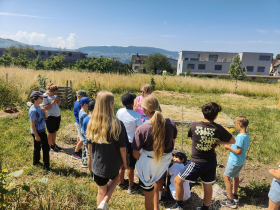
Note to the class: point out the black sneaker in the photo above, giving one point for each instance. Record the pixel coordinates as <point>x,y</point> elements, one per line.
<point>124,185</point>
<point>228,203</point>
<point>132,190</point>
<point>54,149</point>
<point>37,164</point>
<point>59,148</point>
<point>163,199</point>
<point>235,197</point>
<point>46,168</point>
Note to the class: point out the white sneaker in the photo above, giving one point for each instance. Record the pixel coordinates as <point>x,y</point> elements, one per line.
<point>103,206</point>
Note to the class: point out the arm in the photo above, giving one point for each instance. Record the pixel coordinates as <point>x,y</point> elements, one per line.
<point>275,173</point>
<point>136,154</point>
<point>123,154</point>
<point>135,105</point>
<point>58,101</point>
<point>45,113</point>
<point>37,137</point>
<point>231,141</point>
<point>236,151</point>
<point>49,106</point>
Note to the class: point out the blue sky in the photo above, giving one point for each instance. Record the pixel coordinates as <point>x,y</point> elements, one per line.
<point>176,25</point>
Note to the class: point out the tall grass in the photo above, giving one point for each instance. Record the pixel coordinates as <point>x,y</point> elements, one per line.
<point>25,78</point>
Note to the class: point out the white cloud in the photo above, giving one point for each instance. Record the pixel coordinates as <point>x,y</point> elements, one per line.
<point>262,31</point>
<point>20,15</point>
<point>167,36</point>
<point>35,38</point>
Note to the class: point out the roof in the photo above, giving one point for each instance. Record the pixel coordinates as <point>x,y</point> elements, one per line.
<point>277,63</point>
<point>140,57</point>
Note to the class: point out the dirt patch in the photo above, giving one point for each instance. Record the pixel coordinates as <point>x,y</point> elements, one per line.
<point>15,115</point>
<point>190,114</point>
<point>234,96</point>
<point>170,94</point>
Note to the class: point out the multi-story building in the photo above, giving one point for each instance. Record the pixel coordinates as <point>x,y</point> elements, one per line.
<point>219,62</point>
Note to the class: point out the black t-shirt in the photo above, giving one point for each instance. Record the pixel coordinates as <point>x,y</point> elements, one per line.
<point>204,135</point>
<point>106,158</point>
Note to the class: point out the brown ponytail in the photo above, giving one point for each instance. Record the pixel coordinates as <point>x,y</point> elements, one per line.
<point>51,87</point>
<point>151,104</point>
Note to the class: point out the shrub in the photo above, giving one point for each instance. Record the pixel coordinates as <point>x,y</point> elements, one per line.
<point>8,94</point>
<point>200,76</point>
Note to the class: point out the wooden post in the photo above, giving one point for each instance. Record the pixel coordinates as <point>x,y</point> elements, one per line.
<point>66,95</point>
<point>6,77</point>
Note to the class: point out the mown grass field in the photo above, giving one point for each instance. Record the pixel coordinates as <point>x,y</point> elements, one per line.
<point>68,188</point>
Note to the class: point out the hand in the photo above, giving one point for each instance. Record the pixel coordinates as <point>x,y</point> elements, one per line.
<point>37,138</point>
<point>226,146</point>
<point>123,167</point>
<point>271,171</point>
<point>138,105</point>
<point>58,99</point>
<point>43,109</point>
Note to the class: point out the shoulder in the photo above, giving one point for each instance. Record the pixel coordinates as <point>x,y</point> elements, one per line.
<point>144,127</point>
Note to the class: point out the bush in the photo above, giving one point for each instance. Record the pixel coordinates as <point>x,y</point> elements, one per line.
<point>200,76</point>
<point>8,94</point>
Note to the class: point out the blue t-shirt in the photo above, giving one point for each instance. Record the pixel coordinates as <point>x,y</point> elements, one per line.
<point>82,116</point>
<point>84,128</point>
<point>77,108</point>
<point>35,113</point>
<point>243,141</point>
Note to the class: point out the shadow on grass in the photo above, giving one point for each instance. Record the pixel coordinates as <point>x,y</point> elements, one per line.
<point>64,170</point>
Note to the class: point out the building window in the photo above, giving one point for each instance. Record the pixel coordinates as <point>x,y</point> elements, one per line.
<point>36,52</point>
<point>186,59</point>
<point>264,58</point>
<point>250,68</point>
<point>49,53</point>
<point>213,57</point>
<point>201,66</point>
<point>70,54</point>
<point>190,66</point>
<point>260,69</point>
<point>218,67</point>
<point>42,52</point>
<point>64,53</point>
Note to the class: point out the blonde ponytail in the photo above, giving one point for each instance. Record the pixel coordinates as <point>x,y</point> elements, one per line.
<point>151,104</point>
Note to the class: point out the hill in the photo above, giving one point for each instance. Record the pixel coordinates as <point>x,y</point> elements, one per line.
<point>122,53</point>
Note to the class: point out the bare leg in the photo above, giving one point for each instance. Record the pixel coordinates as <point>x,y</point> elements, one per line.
<point>54,137</point>
<point>235,185</point>
<point>228,186</point>
<point>130,173</point>
<point>149,200</point>
<point>102,190</point>
<point>156,195</point>
<point>122,177</point>
<point>272,205</point>
<point>207,194</point>
<point>50,139</point>
<point>79,146</point>
<point>111,187</point>
<point>179,188</point>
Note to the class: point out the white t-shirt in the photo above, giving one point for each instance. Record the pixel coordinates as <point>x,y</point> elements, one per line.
<point>131,121</point>
<point>174,171</point>
<point>54,111</point>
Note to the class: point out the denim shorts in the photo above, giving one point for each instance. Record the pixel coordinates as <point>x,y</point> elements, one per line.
<point>232,171</point>
<point>79,131</point>
<point>274,192</point>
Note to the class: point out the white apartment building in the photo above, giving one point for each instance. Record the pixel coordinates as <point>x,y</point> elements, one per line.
<point>218,62</point>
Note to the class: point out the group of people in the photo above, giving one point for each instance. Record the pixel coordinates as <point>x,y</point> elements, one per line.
<point>139,137</point>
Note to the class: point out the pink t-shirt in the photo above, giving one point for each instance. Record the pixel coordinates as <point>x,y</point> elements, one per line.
<point>140,110</point>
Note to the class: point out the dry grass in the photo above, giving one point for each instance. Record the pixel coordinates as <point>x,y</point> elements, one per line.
<point>24,78</point>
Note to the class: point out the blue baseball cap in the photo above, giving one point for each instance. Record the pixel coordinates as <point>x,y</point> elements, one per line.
<point>37,94</point>
<point>84,100</point>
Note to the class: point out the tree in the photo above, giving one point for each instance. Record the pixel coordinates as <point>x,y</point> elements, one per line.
<point>235,71</point>
<point>26,51</point>
<point>156,62</point>
<point>278,56</point>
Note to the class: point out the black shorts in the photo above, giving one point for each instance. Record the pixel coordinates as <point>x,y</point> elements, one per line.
<point>146,188</point>
<point>53,123</point>
<point>100,181</point>
<point>130,159</point>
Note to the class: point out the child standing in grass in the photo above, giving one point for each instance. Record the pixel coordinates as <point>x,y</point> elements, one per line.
<point>82,115</point>
<point>236,160</point>
<point>108,137</point>
<point>131,121</point>
<point>274,192</point>
<point>205,136</point>
<point>51,103</point>
<point>37,116</point>
<point>83,131</point>
<point>76,110</point>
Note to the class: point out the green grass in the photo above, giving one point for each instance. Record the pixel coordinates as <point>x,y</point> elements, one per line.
<point>68,188</point>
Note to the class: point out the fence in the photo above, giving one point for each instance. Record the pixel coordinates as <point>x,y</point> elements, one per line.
<point>65,93</point>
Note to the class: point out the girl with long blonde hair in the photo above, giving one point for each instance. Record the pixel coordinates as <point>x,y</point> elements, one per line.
<point>153,145</point>
<point>108,138</point>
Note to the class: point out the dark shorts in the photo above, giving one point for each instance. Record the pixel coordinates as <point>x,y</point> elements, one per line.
<point>53,123</point>
<point>130,159</point>
<point>145,187</point>
<point>100,181</point>
<point>206,171</point>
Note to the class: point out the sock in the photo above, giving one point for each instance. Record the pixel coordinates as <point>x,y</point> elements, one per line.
<point>102,203</point>
<point>231,200</point>
<point>180,203</point>
<point>52,146</point>
<point>160,193</point>
<point>205,207</point>
<point>234,195</point>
